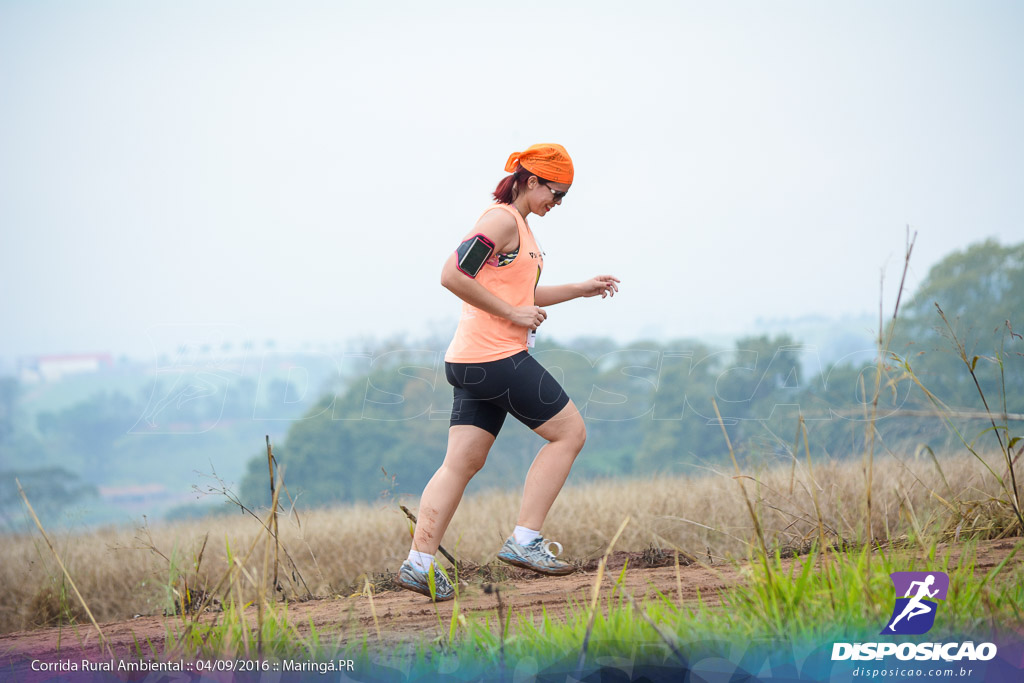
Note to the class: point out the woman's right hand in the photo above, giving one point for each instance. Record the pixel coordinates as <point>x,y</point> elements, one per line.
<point>528,316</point>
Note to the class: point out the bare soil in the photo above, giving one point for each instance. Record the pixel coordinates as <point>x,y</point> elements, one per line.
<point>404,616</point>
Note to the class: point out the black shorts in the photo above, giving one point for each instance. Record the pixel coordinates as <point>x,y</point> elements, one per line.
<point>518,385</point>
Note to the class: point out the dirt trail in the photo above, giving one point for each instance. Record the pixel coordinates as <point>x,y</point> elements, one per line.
<point>403,615</point>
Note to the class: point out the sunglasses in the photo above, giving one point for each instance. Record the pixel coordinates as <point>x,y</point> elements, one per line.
<point>555,194</point>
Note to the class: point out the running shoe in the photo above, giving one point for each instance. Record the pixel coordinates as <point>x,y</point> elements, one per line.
<point>535,556</point>
<point>415,580</point>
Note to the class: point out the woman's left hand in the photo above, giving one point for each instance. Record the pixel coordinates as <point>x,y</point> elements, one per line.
<point>605,285</point>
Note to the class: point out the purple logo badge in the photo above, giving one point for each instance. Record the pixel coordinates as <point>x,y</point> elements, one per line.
<point>916,593</point>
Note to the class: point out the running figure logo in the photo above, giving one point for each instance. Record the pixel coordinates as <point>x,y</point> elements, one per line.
<point>914,613</point>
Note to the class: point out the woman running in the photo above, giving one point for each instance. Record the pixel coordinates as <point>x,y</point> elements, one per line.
<point>495,272</point>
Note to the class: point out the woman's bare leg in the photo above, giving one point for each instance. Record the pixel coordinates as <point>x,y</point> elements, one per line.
<point>467,452</point>
<point>566,435</point>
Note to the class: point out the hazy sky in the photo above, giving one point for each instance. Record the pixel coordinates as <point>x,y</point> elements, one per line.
<point>222,171</point>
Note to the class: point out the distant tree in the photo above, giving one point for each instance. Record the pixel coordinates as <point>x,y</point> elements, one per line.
<point>759,394</point>
<point>678,431</point>
<point>9,392</point>
<point>981,286</point>
<point>50,490</point>
<point>341,448</point>
<point>979,291</point>
<point>86,433</point>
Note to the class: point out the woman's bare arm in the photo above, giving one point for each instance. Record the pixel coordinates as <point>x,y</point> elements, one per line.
<point>605,285</point>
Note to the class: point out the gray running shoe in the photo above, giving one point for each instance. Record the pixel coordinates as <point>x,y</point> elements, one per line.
<point>415,580</point>
<point>535,556</point>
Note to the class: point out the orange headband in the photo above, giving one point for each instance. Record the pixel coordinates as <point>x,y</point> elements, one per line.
<point>547,160</point>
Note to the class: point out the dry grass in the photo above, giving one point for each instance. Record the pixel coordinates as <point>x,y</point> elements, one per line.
<point>120,576</point>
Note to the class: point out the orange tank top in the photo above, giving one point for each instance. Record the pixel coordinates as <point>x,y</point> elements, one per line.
<point>483,337</point>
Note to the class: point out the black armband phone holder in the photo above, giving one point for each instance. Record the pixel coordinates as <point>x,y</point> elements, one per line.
<point>473,254</point>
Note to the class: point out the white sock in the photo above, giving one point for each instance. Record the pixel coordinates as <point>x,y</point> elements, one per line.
<point>523,535</point>
<point>421,561</point>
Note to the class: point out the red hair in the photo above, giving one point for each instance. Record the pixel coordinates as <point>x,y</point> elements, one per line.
<point>509,186</point>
